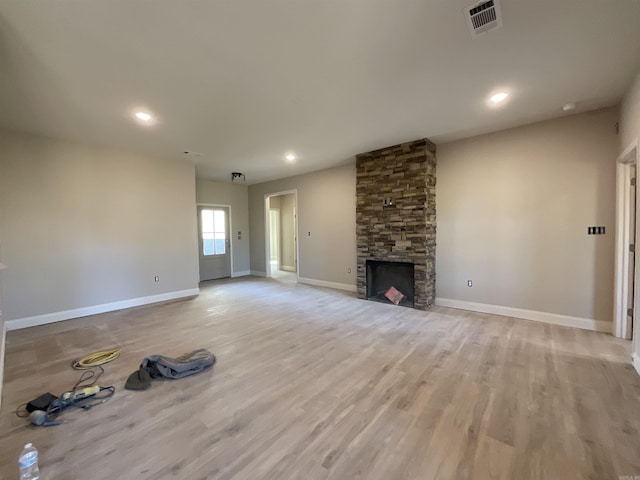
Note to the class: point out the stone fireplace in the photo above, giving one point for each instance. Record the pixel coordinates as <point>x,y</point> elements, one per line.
<point>396,218</point>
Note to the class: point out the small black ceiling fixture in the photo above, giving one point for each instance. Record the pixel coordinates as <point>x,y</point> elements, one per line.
<point>237,176</point>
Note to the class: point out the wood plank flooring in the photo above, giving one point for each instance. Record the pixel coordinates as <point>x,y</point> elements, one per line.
<point>314,384</point>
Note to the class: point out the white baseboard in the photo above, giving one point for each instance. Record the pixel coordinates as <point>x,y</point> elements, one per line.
<point>287,268</point>
<point>322,283</point>
<point>554,318</point>
<point>3,339</point>
<point>257,273</point>
<point>242,273</point>
<point>96,309</point>
<point>635,359</point>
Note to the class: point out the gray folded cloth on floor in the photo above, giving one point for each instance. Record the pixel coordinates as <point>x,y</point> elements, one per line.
<point>159,366</point>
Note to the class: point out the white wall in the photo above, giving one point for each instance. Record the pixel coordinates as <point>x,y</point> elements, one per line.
<point>326,224</point>
<point>629,134</point>
<point>83,226</point>
<point>513,209</point>
<point>237,197</point>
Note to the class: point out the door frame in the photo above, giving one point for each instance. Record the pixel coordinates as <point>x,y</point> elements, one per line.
<point>267,232</point>
<point>624,162</point>
<point>230,233</point>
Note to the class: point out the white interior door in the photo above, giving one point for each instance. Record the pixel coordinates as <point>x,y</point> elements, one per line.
<point>214,243</point>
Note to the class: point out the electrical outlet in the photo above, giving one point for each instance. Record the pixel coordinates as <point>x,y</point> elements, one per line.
<point>469,283</point>
<point>156,278</point>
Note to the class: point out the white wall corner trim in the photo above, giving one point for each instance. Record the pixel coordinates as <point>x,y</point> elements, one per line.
<point>545,317</point>
<point>3,340</point>
<point>242,273</point>
<point>322,283</point>
<point>46,318</point>
<point>257,273</point>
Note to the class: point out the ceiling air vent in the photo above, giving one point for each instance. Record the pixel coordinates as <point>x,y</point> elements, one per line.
<point>483,17</point>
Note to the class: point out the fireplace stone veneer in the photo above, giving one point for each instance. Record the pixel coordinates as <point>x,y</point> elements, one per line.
<point>396,213</point>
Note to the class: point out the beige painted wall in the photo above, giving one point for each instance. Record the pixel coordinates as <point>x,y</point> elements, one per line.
<point>513,210</point>
<point>287,233</point>
<point>237,197</point>
<point>630,133</point>
<point>83,226</point>
<point>326,223</point>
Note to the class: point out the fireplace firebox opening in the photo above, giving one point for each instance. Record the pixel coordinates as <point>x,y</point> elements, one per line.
<point>381,276</point>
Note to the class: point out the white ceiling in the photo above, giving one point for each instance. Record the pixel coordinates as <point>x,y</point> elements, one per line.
<point>246,81</point>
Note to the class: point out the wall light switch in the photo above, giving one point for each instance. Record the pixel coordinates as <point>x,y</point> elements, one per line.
<point>599,230</point>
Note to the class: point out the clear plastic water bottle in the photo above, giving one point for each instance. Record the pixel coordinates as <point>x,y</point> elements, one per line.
<point>28,463</point>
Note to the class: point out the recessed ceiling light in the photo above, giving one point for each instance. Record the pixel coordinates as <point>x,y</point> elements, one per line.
<point>290,157</point>
<point>498,97</point>
<point>567,107</point>
<point>144,116</point>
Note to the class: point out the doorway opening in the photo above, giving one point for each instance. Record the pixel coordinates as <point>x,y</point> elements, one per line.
<point>627,273</point>
<point>214,243</point>
<point>274,238</point>
<point>281,236</point>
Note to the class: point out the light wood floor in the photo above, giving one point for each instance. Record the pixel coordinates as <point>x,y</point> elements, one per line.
<point>313,384</point>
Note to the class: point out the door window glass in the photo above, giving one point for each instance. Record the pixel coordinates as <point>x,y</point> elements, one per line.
<point>213,233</point>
